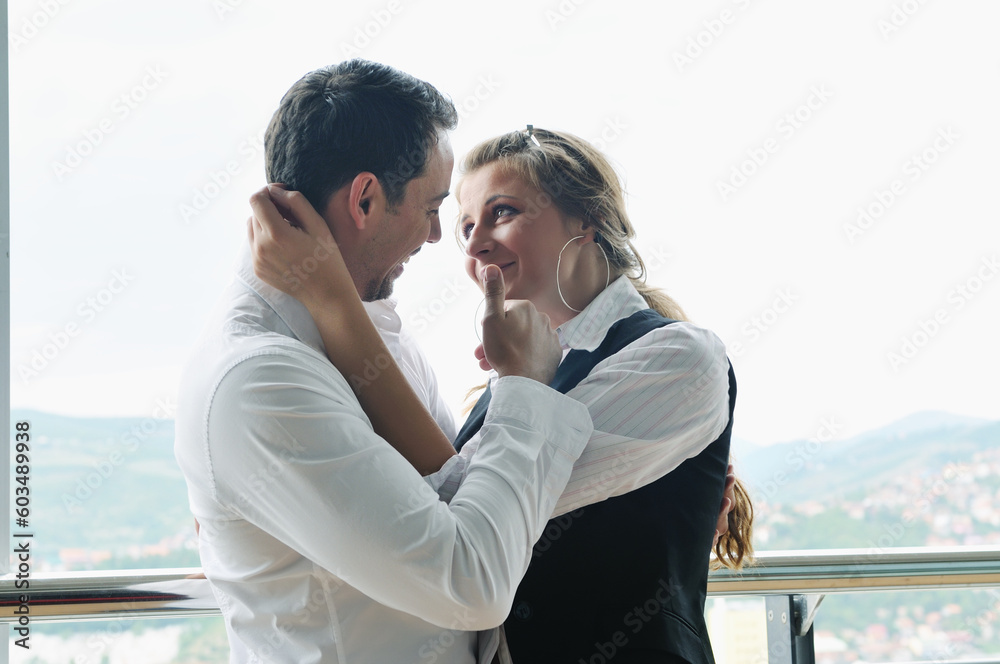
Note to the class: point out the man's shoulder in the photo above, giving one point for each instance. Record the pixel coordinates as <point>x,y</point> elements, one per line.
<point>270,358</point>
<point>227,365</point>
<point>253,387</point>
<point>243,327</point>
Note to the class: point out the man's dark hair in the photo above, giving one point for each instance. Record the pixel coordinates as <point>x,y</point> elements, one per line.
<point>354,116</point>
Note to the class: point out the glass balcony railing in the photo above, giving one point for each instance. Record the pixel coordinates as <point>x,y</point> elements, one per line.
<point>792,583</point>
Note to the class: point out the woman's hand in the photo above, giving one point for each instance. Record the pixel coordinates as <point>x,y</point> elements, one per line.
<point>293,249</point>
<point>517,339</point>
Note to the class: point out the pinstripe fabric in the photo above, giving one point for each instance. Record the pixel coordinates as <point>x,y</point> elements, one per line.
<point>659,401</point>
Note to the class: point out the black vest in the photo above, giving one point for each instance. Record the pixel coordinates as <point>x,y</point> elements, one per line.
<point>621,580</point>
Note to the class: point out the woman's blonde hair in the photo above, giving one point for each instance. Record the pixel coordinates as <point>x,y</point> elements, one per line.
<point>574,176</point>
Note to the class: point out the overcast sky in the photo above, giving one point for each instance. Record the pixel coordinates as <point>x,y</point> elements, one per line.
<point>815,182</point>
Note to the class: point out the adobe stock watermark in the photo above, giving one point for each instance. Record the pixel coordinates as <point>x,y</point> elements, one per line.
<point>433,309</point>
<point>273,640</point>
<point>785,129</point>
<point>223,8</point>
<point>470,103</point>
<point>988,614</point>
<point>712,29</point>
<point>435,647</point>
<point>219,179</point>
<point>123,106</point>
<point>895,532</point>
<point>86,312</point>
<point>318,600</point>
<point>656,258</point>
<point>296,276</point>
<point>100,644</point>
<point>373,368</point>
<point>611,131</point>
<point>913,169</point>
<point>367,33</point>
<point>554,188</point>
<point>777,651</point>
<point>898,17</point>
<point>636,618</point>
<point>926,329</point>
<point>760,323</point>
<point>418,497</point>
<point>554,529</point>
<point>264,475</point>
<point>86,486</point>
<point>598,488</point>
<point>33,24</point>
<point>797,459</point>
<point>561,13</point>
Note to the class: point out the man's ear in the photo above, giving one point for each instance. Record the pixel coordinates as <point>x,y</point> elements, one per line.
<point>366,200</point>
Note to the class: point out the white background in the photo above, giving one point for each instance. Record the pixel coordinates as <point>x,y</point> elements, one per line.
<point>893,76</point>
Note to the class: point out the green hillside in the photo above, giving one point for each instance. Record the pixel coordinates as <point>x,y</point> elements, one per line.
<point>106,485</point>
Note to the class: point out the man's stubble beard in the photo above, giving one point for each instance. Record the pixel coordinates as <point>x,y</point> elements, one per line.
<point>378,290</point>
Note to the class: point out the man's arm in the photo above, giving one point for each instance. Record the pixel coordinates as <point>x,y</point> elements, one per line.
<point>290,451</point>
<point>654,404</point>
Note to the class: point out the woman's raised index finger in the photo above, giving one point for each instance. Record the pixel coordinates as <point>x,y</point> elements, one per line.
<point>494,290</point>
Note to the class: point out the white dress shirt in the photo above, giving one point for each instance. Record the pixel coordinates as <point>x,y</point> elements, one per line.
<point>321,542</point>
<point>412,362</point>
<point>656,403</point>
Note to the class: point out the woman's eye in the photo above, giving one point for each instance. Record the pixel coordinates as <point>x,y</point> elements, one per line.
<point>503,211</point>
<point>466,230</point>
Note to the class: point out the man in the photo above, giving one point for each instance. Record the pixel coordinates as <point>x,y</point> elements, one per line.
<point>322,543</point>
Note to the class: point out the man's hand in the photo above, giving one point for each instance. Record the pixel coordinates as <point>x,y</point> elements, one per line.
<point>292,247</point>
<point>728,502</point>
<point>517,340</point>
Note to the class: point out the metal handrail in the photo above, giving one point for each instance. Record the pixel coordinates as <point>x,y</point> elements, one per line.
<point>825,571</point>
<point>173,593</point>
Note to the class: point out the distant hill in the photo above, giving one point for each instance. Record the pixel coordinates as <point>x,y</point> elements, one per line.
<point>113,485</point>
<point>104,484</point>
<point>919,443</point>
<point>65,427</point>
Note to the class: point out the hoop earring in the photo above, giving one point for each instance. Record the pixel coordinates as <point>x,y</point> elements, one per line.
<point>477,322</point>
<point>607,279</point>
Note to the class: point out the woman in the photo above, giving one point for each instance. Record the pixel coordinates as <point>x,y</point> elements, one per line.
<point>621,569</point>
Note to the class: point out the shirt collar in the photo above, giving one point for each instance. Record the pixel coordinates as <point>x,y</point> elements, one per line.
<point>384,316</point>
<point>292,312</point>
<point>587,329</point>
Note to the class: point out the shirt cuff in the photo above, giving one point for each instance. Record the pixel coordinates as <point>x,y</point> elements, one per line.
<point>447,480</point>
<point>520,399</point>
<point>564,421</point>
